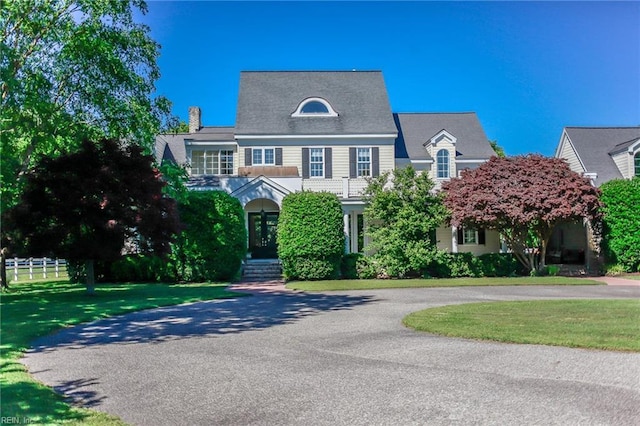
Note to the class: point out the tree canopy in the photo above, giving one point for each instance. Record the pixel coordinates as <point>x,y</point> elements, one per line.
<point>69,70</point>
<point>402,214</point>
<point>524,198</point>
<point>86,205</point>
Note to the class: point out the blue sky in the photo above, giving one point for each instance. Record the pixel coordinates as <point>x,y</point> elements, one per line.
<point>526,68</point>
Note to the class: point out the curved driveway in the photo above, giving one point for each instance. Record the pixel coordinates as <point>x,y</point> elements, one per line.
<point>334,358</point>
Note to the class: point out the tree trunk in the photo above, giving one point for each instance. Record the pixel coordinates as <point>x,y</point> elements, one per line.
<point>90,278</point>
<point>3,268</point>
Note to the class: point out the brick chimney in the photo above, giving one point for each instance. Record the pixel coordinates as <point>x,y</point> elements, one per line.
<point>195,122</point>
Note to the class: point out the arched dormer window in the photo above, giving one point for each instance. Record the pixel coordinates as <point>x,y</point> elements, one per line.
<point>442,164</point>
<point>314,107</point>
<point>636,164</point>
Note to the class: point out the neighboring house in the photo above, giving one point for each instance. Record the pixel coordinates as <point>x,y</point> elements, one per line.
<point>323,131</point>
<point>601,154</point>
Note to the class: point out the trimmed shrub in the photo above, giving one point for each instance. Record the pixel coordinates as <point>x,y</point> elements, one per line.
<point>213,242</point>
<point>310,236</point>
<point>140,268</point>
<point>498,265</point>
<point>349,265</point>
<point>621,232</point>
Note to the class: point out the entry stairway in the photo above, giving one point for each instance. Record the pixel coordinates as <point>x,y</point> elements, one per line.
<point>262,270</point>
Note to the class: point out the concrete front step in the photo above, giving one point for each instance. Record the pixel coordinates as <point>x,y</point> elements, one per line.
<point>258,270</point>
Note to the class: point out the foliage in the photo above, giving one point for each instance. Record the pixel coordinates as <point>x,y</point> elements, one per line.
<point>349,265</point>
<point>402,215</point>
<point>31,310</point>
<point>84,206</point>
<point>310,235</point>
<point>523,198</point>
<point>621,199</point>
<point>214,239</point>
<point>70,70</point>
<point>498,264</point>
<point>455,265</point>
<point>497,149</point>
<point>140,268</point>
<point>615,270</point>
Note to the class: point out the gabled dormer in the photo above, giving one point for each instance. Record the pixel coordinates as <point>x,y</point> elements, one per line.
<point>442,148</point>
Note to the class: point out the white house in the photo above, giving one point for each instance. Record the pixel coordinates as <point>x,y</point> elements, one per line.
<point>324,131</point>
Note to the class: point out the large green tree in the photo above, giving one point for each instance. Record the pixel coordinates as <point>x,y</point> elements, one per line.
<point>70,70</point>
<point>402,214</point>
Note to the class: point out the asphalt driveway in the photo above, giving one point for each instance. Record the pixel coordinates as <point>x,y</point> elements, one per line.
<point>337,358</point>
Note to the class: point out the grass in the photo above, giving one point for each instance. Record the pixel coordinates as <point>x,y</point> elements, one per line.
<point>444,282</point>
<point>592,324</point>
<point>33,309</point>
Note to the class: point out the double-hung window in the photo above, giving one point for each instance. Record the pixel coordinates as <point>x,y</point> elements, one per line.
<point>469,236</point>
<point>212,162</point>
<point>442,164</point>
<point>263,156</point>
<point>364,162</point>
<point>316,162</point>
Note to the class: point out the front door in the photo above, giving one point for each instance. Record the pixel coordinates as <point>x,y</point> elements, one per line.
<point>263,228</point>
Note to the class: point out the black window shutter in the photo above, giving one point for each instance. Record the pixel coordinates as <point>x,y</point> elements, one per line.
<point>460,235</point>
<point>482,239</point>
<point>328,164</point>
<point>375,161</point>
<point>278,156</point>
<point>247,156</point>
<point>305,163</point>
<point>353,172</point>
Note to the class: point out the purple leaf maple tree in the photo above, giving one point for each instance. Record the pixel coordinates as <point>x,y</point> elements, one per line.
<point>524,198</point>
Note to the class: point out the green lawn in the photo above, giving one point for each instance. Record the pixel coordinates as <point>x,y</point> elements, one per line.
<point>448,282</point>
<point>593,324</point>
<point>34,309</point>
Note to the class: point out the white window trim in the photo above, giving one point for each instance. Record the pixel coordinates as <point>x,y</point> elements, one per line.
<point>370,162</point>
<point>322,148</point>
<point>263,163</point>
<point>298,112</point>
<point>437,171</point>
<point>464,235</point>
<point>205,151</point>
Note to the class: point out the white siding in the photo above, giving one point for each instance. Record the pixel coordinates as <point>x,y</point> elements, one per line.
<point>568,153</point>
<point>492,242</point>
<point>623,161</point>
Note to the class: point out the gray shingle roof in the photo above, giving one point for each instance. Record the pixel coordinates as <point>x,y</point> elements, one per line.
<point>267,100</point>
<point>417,128</point>
<point>595,145</point>
<point>171,148</point>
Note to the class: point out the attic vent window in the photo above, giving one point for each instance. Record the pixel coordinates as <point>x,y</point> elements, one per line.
<point>314,107</point>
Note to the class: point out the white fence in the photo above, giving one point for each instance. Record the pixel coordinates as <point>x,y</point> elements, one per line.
<point>35,268</point>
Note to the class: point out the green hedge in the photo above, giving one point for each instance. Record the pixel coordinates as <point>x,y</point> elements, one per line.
<point>213,242</point>
<point>621,231</point>
<point>310,236</point>
<point>444,265</point>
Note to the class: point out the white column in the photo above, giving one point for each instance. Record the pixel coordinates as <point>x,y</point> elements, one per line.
<point>454,239</point>
<point>347,239</point>
<point>345,187</point>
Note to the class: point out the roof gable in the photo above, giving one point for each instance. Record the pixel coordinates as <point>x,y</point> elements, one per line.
<point>594,146</point>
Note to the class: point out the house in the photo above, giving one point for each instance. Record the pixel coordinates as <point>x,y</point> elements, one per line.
<point>323,131</point>
<point>601,154</point>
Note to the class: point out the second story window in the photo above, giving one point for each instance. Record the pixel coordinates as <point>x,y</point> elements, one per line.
<point>212,162</point>
<point>316,162</point>
<point>636,162</point>
<point>364,162</point>
<point>264,156</point>
<point>442,164</point>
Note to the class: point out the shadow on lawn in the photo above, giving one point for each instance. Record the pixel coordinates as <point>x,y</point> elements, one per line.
<point>214,317</point>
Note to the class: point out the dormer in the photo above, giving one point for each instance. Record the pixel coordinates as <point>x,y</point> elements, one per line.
<point>442,148</point>
<point>314,107</point>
